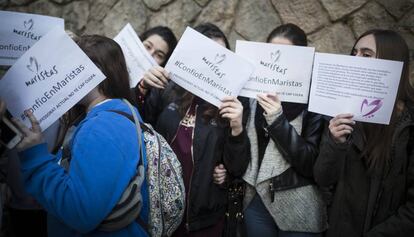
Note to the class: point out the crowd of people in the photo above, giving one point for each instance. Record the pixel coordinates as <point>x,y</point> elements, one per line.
<point>300,173</point>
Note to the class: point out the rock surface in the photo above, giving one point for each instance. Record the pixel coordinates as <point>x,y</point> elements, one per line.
<point>332,26</point>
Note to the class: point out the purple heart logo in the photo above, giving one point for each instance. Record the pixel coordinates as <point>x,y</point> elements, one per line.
<point>370,108</point>
<point>28,24</point>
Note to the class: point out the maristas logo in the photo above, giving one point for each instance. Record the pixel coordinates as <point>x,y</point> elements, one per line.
<point>40,74</point>
<point>272,64</point>
<point>219,58</point>
<point>27,30</point>
<point>28,24</point>
<point>33,66</point>
<point>274,56</point>
<point>214,64</point>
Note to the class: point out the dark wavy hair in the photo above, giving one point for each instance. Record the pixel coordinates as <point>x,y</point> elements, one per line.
<point>166,34</point>
<point>108,57</point>
<point>212,31</point>
<point>389,45</point>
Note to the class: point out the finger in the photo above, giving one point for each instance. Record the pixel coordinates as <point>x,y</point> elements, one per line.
<point>155,79</point>
<point>221,171</point>
<point>219,168</point>
<point>347,115</point>
<point>221,180</point>
<point>272,100</point>
<point>341,133</point>
<point>343,121</point>
<point>35,124</point>
<point>228,110</point>
<point>221,175</point>
<point>343,127</point>
<point>264,101</point>
<point>164,72</point>
<point>22,127</point>
<point>159,75</point>
<point>229,116</point>
<point>152,84</point>
<point>264,105</point>
<point>338,121</point>
<point>148,80</point>
<point>273,97</point>
<point>231,103</point>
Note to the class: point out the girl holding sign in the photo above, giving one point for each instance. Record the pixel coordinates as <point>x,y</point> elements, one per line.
<point>160,42</point>
<point>100,163</point>
<point>202,136</point>
<point>281,198</point>
<point>371,166</point>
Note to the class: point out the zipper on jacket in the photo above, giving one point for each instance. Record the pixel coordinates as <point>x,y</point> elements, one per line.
<point>187,225</point>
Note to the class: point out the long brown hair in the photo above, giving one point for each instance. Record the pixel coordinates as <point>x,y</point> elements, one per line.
<point>108,57</point>
<point>377,152</point>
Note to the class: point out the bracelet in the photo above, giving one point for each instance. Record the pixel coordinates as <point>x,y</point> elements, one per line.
<point>140,85</point>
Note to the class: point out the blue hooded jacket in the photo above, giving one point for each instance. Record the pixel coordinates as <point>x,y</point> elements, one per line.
<point>104,159</point>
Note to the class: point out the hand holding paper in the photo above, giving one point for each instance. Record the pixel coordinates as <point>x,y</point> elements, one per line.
<point>270,103</point>
<point>156,77</point>
<point>341,126</point>
<point>137,58</point>
<point>32,136</point>
<point>281,69</point>
<point>365,87</point>
<point>49,79</point>
<point>232,109</point>
<point>207,69</point>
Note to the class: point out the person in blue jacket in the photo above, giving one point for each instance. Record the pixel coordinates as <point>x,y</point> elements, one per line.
<point>104,155</point>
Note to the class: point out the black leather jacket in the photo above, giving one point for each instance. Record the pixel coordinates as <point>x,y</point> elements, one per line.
<point>300,151</point>
<point>212,144</point>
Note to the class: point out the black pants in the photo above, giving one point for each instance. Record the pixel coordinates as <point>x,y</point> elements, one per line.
<point>28,221</point>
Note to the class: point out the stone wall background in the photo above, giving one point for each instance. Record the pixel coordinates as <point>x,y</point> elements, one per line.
<point>331,25</point>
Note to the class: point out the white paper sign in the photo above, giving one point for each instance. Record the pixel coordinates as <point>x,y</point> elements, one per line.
<point>137,58</point>
<point>50,78</point>
<point>206,68</point>
<point>365,87</point>
<point>19,31</point>
<point>282,69</point>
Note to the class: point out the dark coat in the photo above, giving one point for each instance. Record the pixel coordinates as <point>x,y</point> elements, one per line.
<point>369,204</point>
<point>300,151</point>
<point>212,144</point>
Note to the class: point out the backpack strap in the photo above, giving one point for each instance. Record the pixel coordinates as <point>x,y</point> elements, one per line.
<point>128,207</point>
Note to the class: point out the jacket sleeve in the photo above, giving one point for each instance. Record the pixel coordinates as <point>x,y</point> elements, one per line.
<point>85,195</point>
<point>151,106</point>
<point>236,153</point>
<point>299,150</point>
<point>400,224</point>
<point>330,160</point>
<point>237,148</point>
